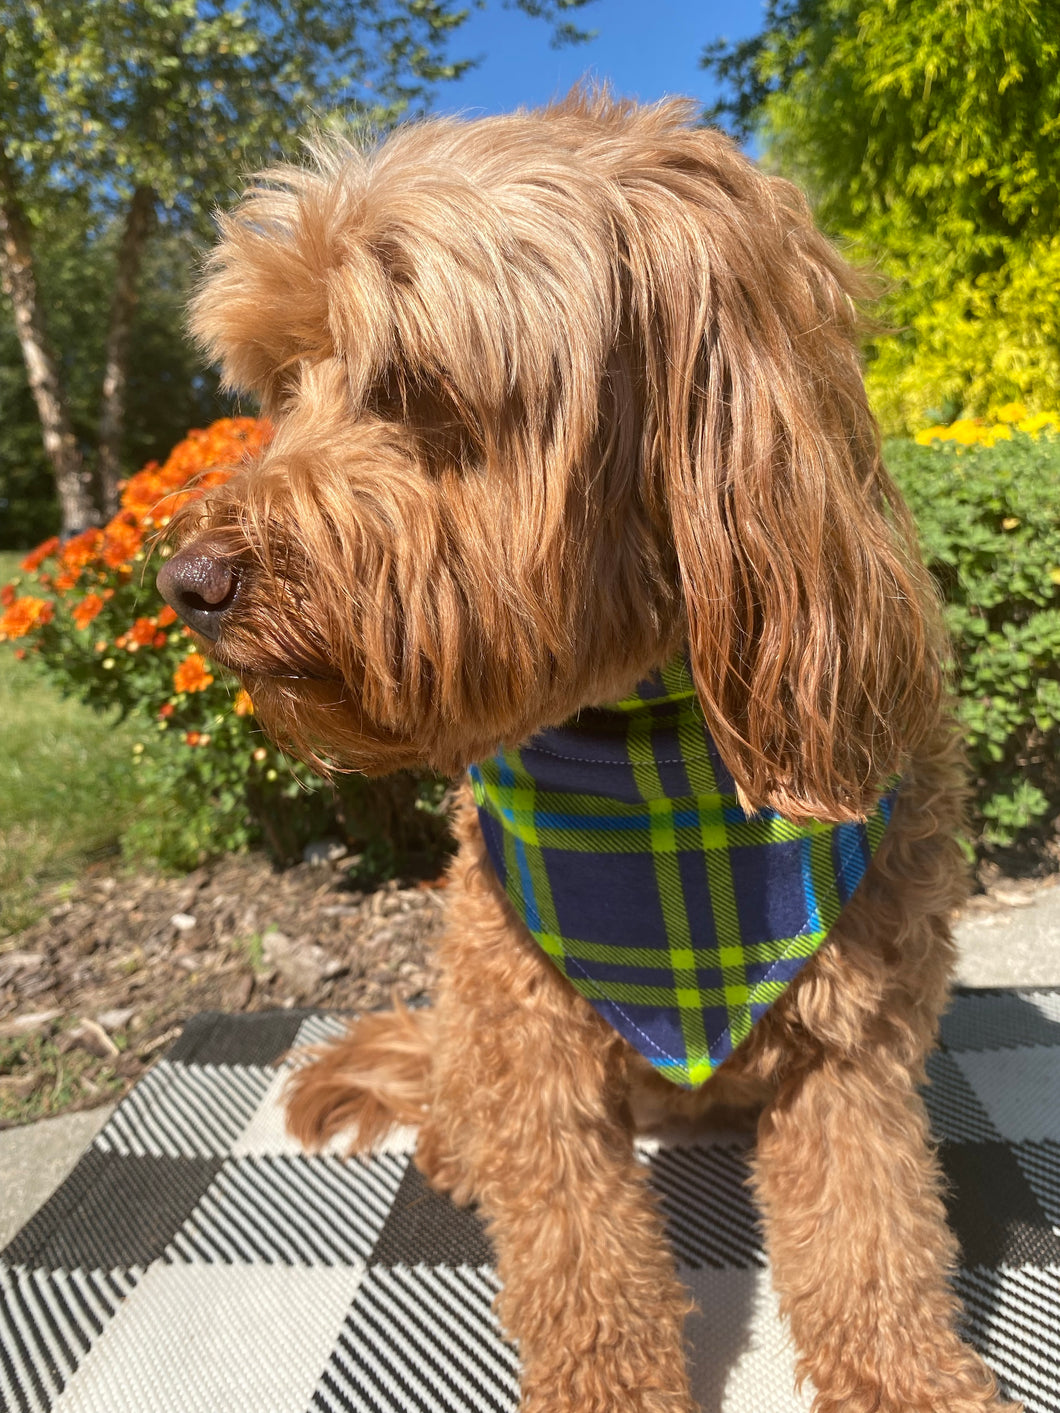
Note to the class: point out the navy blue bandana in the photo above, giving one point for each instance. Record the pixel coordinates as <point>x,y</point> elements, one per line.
<point>620,842</point>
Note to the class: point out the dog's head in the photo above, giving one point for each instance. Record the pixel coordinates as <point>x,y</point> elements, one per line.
<point>555,395</point>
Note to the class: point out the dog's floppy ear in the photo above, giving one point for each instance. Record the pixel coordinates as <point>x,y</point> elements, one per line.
<point>811,621</point>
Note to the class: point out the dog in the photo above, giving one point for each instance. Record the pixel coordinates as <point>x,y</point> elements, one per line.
<point>574,483</point>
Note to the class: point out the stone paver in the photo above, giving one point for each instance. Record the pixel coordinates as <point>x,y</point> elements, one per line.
<point>1014,946</point>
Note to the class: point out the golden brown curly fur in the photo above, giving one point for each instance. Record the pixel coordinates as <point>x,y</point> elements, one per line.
<point>558,395</point>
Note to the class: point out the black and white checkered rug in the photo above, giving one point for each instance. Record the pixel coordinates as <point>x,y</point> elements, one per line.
<point>196,1262</point>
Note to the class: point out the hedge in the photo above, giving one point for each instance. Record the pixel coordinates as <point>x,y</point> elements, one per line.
<point>986,498</point>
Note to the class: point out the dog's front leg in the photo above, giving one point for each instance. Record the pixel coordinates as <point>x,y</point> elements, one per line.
<point>856,1233</point>
<point>528,1119</point>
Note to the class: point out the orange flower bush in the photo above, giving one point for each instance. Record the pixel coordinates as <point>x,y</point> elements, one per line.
<point>89,612</point>
<point>102,571</point>
<point>89,608</point>
<point>41,553</point>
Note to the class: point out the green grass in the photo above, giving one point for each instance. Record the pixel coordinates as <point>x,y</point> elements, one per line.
<point>42,1079</point>
<point>67,788</point>
<point>9,563</point>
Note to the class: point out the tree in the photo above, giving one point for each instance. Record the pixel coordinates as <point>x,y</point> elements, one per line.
<point>926,133</point>
<point>167,389</point>
<point>138,116</point>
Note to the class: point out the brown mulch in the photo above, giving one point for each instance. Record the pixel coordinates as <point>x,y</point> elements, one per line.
<point>92,993</point>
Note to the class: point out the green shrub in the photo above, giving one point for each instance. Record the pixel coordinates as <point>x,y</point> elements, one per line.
<point>989,521</point>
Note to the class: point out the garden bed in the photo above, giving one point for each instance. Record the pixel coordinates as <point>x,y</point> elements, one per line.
<point>94,991</point>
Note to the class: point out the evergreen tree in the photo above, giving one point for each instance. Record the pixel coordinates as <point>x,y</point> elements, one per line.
<point>927,133</point>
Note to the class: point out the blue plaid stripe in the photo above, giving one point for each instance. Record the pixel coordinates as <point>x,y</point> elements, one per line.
<point>621,844</point>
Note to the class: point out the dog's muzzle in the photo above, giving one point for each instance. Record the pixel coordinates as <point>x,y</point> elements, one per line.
<point>202,587</point>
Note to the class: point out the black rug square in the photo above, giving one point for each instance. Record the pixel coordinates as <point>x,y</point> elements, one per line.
<point>259,1038</point>
<point>113,1211</point>
<point>423,1227</point>
<point>993,1210</point>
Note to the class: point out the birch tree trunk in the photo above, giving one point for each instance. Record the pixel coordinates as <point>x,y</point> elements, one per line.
<point>139,222</point>
<point>42,367</point>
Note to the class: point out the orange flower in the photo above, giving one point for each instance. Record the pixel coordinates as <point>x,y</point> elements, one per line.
<point>122,541</point>
<point>37,557</point>
<point>172,503</point>
<point>243,705</point>
<point>192,738</point>
<point>142,492</point>
<point>166,709</point>
<point>142,633</point>
<point>159,640</point>
<point>87,609</point>
<point>166,617</point>
<point>24,615</point>
<point>7,596</point>
<point>154,494</point>
<point>209,479</point>
<point>192,674</point>
<point>82,549</point>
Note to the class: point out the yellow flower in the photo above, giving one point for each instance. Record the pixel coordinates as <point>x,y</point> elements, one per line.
<point>964,432</point>
<point>992,435</point>
<point>1010,412</point>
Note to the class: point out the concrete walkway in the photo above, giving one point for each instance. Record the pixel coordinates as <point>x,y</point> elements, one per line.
<point>1016,943</point>
<point>35,1159</point>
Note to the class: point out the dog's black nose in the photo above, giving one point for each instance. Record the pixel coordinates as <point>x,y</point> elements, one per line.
<point>201,587</point>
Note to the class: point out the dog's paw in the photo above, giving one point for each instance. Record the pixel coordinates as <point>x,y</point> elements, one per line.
<point>870,1400</point>
<point>547,1398</point>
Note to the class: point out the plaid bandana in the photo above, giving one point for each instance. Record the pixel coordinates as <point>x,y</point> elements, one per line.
<point>619,841</point>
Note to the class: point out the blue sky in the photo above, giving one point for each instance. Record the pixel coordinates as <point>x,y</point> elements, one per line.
<point>647,48</point>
